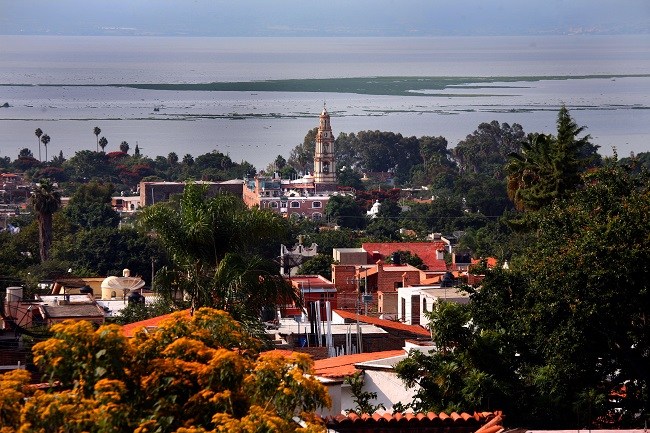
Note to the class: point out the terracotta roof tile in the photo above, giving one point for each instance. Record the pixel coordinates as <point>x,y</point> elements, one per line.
<point>130,329</point>
<point>339,367</point>
<point>482,422</point>
<point>385,324</point>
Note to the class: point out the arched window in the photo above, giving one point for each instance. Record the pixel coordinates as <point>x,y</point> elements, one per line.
<point>316,205</point>
<point>316,216</point>
<point>274,204</point>
<point>295,204</point>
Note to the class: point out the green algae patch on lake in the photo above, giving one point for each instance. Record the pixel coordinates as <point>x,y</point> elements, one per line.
<point>397,86</point>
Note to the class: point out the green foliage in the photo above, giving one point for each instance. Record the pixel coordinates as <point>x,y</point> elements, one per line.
<point>449,324</point>
<point>549,167</point>
<point>361,398</point>
<point>45,200</point>
<point>139,311</point>
<point>565,327</point>
<point>350,178</point>
<point>345,212</point>
<point>406,258</point>
<point>320,264</point>
<point>327,240</point>
<point>486,150</point>
<point>90,206</point>
<point>217,248</point>
<point>107,251</point>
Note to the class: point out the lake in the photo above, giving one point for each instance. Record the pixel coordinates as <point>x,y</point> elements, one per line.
<point>68,85</point>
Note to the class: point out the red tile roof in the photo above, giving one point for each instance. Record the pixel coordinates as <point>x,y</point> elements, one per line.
<point>385,324</point>
<point>482,422</point>
<point>339,367</point>
<point>130,329</point>
<point>491,262</point>
<point>427,251</point>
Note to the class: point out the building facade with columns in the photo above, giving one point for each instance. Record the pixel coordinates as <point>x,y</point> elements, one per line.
<point>307,196</point>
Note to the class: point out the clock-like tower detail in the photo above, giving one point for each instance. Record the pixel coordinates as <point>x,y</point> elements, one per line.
<point>324,165</point>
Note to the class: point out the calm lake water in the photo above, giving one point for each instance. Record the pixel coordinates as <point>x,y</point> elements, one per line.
<point>40,78</point>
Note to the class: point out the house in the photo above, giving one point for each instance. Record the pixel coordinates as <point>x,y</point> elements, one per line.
<point>415,301</point>
<point>156,192</point>
<point>312,288</point>
<point>55,309</point>
<point>431,253</point>
<point>379,376</point>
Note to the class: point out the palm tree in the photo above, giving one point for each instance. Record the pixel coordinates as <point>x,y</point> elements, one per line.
<point>103,142</point>
<point>124,147</point>
<point>530,173</point>
<point>549,166</point>
<point>97,131</point>
<point>38,133</point>
<point>45,201</point>
<point>45,139</point>
<point>215,245</point>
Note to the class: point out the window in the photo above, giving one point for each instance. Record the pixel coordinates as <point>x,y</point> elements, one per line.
<point>316,205</point>
<point>316,216</point>
<point>295,204</point>
<point>274,204</point>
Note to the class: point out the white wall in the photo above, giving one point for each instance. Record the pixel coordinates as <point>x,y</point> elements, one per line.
<point>389,388</point>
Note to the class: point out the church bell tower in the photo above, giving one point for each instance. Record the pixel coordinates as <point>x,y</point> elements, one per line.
<point>324,165</point>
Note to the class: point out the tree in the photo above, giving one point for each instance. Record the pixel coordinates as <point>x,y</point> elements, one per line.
<point>406,258</point>
<point>349,177</point>
<point>97,131</point>
<point>549,167</point>
<point>220,252</point>
<point>90,206</point>
<point>45,201</point>
<point>345,212</point>
<point>86,165</point>
<point>124,147</point>
<point>302,156</point>
<point>193,374</point>
<point>38,133</point>
<point>108,250</point>
<point>320,264</point>
<point>45,139</point>
<point>103,142</point>
<point>188,160</point>
<point>486,150</point>
<point>362,398</point>
<point>25,153</point>
<point>565,326</point>
<point>172,158</point>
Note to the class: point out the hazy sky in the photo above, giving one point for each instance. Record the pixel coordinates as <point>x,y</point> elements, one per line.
<point>323,18</point>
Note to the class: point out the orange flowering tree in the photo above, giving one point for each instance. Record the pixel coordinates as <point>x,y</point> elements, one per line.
<point>193,374</point>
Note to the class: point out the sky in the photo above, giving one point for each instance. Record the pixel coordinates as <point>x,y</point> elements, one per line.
<point>323,18</point>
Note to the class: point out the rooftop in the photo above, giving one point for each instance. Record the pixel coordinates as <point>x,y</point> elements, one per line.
<point>385,324</point>
<point>339,367</point>
<point>431,422</point>
<point>130,329</point>
<point>427,251</point>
